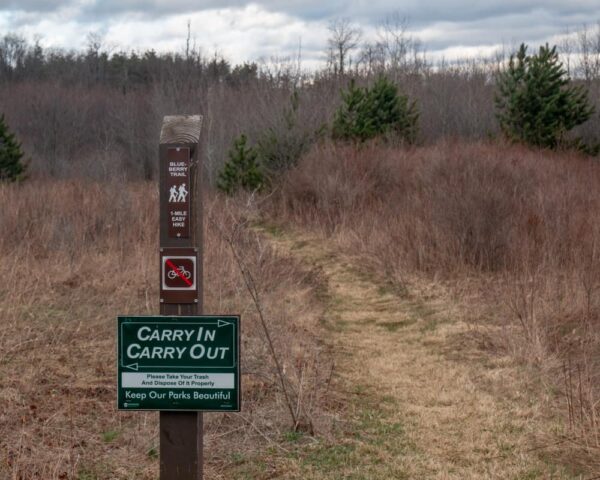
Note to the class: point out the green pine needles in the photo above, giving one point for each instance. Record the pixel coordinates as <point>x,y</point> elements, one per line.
<point>380,110</point>
<point>536,102</point>
<point>242,170</point>
<point>12,167</point>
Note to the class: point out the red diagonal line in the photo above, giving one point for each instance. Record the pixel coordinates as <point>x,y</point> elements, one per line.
<point>176,270</point>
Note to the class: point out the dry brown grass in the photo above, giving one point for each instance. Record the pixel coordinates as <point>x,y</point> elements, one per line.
<point>511,233</point>
<point>422,400</point>
<point>72,257</point>
<point>515,234</point>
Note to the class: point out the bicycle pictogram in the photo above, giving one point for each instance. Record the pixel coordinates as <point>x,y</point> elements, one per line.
<point>172,274</point>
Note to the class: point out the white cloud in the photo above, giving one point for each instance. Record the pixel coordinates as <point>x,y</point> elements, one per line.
<point>244,30</point>
<point>239,34</point>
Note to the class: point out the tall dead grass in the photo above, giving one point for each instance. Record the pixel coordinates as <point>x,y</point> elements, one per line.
<point>517,227</point>
<point>73,255</point>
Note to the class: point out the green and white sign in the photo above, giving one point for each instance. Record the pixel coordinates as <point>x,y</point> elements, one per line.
<point>179,363</point>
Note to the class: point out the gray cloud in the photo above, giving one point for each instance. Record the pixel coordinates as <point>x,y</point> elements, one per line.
<point>418,11</point>
<point>441,24</point>
<point>307,10</point>
<point>32,6</point>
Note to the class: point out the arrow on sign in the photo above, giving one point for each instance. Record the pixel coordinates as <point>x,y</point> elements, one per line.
<point>133,366</point>
<point>222,323</point>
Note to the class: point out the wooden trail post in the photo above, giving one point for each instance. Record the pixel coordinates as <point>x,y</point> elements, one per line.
<point>181,433</point>
<point>181,363</point>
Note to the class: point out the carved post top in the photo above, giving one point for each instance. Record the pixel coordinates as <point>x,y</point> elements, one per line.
<point>181,129</point>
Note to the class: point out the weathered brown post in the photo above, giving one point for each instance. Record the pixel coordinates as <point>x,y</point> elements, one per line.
<point>180,171</point>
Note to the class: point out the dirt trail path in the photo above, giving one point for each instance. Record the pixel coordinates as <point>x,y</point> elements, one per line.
<point>437,407</point>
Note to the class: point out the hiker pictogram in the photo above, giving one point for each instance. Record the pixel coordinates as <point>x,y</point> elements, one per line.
<point>178,194</point>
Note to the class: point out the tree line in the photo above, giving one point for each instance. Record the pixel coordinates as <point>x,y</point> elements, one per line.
<point>96,65</point>
<point>96,114</point>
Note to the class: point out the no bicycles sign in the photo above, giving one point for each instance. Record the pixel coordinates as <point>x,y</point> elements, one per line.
<point>178,272</point>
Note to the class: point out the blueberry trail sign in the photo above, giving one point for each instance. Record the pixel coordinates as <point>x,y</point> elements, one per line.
<point>178,184</point>
<point>179,363</point>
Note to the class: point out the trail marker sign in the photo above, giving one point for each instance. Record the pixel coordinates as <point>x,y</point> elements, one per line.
<point>179,363</point>
<point>177,181</point>
<point>178,273</point>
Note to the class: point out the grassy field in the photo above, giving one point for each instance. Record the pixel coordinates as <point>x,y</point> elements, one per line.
<point>511,233</point>
<point>435,311</point>
<point>73,257</point>
<point>421,398</point>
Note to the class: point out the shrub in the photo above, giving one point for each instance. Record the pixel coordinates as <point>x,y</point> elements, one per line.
<point>536,103</point>
<point>380,110</point>
<point>280,147</point>
<point>12,167</point>
<point>242,170</point>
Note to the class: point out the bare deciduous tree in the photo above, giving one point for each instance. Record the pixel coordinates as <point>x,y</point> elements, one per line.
<point>401,51</point>
<point>566,48</point>
<point>344,37</point>
<point>372,58</point>
<point>12,54</point>
<point>589,52</point>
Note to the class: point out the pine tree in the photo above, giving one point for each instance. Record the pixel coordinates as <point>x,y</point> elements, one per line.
<point>242,170</point>
<point>391,112</point>
<point>536,102</point>
<point>349,120</point>
<point>12,167</point>
<point>380,110</point>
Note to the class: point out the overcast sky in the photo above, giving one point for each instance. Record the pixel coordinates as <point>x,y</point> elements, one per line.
<point>243,30</point>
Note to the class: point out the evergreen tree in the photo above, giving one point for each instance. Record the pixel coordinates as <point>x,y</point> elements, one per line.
<point>349,121</point>
<point>391,112</point>
<point>242,170</point>
<point>536,102</point>
<point>380,110</point>
<point>12,167</point>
